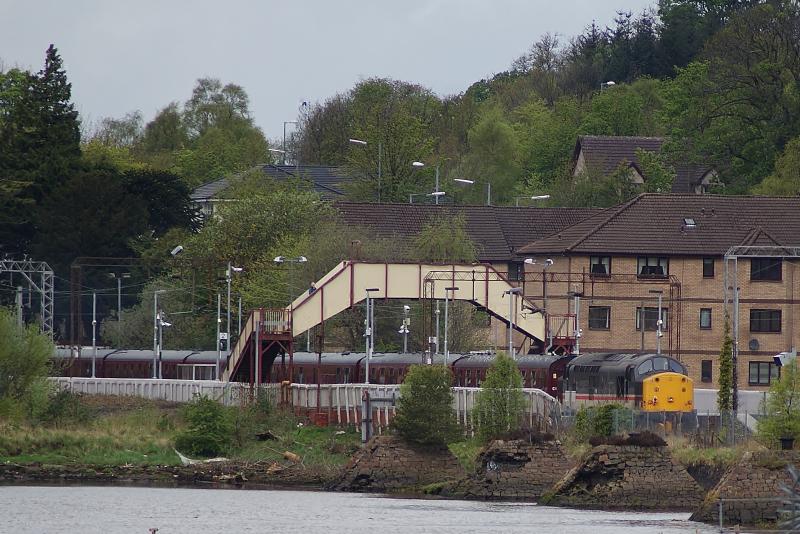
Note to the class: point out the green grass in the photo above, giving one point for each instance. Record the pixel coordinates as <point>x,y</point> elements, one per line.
<point>467,452</point>
<point>111,431</point>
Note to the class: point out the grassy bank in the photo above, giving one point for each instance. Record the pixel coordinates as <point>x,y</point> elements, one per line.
<point>97,430</point>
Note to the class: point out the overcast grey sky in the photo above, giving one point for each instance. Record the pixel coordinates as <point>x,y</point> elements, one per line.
<point>142,54</point>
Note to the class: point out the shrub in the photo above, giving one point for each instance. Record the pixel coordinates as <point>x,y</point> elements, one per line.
<point>425,412</point>
<point>602,420</point>
<point>782,408</point>
<point>24,356</point>
<point>500,404</point>
<point>209,428</point>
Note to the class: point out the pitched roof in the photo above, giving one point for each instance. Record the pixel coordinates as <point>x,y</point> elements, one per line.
<point>605,153</point>
<point>325,180</point>
<point>496,231</point>
<point>657,224</point>
<point>689,175</point>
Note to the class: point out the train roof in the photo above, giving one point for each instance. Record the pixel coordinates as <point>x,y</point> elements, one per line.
<point>524,361</point>
<point>138,355</point>
<point>614,362</point>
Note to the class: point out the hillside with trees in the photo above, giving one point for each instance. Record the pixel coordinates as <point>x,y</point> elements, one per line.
<point>717,79</point>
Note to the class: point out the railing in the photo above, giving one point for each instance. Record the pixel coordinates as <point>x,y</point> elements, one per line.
<point>341,402</point>
<point>276,320</point>
<point>227,393</point>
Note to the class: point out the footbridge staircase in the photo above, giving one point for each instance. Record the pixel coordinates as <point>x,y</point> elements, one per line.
<point>269,333</point>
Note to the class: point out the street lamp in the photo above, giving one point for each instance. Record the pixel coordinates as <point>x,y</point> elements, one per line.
<point>606,85</point>
<point>369,330</point>
<point>547,263</point>
<point>512,293</point>
<point>283,161</point>
<point>534,197</point>
<point>446,300</point>
<point>404,327</point>
<point>471,182</point>
<point>119,277</point>
<point>577,296</point>
<point>156,328</point>
<point>283,259</point>
<point>228,276</point>
<point>436,194</point>
<point>659,322</point>
<point>380,157</point>
<point>419,164</point>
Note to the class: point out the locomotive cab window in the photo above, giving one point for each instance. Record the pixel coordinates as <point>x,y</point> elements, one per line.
<point>645,367</point>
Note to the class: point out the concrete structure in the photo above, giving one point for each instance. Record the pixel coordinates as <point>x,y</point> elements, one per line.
<point>673,246</point>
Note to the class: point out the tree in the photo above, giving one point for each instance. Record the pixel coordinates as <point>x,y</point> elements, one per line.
<point>785,180</point>
<point>725,382</point>
<point>425,410</point>
<point>658,174</point>
<point>500,403</point>
<point>24,357</point>
<point>124,132</point>
<point>39,145</point>
<point>782,407</point>
<point>445,239</point>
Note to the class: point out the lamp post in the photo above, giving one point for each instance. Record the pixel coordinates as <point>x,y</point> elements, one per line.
<point>369,331</point>
<point>300,259</point>
<point>228,276</point>
<point>380,157</point>
<point>471,182</point>
<point>547,263</point>
<point>435,194</point>
<point>447,291</point>
<point>156,328</point>
<point>283,160</point>
<point>94,331</point>
<point>119,277</point>
<point>404,327</point>
<point>219,335</point>
<point>577,296</point>
<point>534,197</point>
<point>512,298</point>
<point>606,85</point>
<point>659,322</point>
<point>436,191</point>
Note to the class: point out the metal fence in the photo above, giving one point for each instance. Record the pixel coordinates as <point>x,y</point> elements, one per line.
<point>341,403</point>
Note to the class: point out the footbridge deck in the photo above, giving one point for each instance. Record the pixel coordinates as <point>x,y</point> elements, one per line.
<point>346,286</point>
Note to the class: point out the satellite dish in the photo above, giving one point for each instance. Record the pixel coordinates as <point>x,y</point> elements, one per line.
<point>753,345</point>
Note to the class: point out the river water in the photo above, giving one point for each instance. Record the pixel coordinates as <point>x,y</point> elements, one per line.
<point>113,509</point>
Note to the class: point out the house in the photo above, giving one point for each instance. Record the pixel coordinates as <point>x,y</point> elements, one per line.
<point>604,155</point>
<point>616,265</point>
<point>328,181</point>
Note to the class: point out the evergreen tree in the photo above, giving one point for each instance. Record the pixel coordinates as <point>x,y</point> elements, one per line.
<point>725,395</point>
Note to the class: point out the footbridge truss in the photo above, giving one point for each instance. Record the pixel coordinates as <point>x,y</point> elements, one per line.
<point>269,332</point>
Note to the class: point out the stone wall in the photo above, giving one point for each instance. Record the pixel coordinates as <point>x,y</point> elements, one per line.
<point>514,469</point>
<point>755,480</point>
<point>627,477</point>
<point>387,463</point>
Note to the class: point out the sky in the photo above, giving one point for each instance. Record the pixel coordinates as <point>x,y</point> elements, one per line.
<point>122,56</point>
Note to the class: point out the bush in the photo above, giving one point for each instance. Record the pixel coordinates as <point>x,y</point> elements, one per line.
<point>782,408</point>
<point>602,420</point>
<point>24,356</point>
<point>425,410</point>
<point>500,404</point>
<point>210,428</point>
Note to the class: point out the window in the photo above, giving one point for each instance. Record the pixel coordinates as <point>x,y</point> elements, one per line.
<point>705,371</point>
<point>766,269</point>
<point>599,317</point>
<point>516,271</point>
<point>765,320</point>
<point>705,318</point>
<point>600,265</point>
<point>763,373</point>
<point>708,267</point>
<point>651,318</point>
<point>652,266</point>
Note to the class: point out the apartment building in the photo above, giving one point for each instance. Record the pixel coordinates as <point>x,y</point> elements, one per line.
<point>615,264</point>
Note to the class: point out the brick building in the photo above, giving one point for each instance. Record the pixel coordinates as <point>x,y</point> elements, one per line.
<point>620,260</point>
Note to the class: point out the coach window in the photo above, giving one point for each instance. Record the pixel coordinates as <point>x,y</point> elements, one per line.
<point>765,321</point>
<point>708,267</point>
<point>705,318</point>
<point>763,373</point>
<point>600,265</point>
<point>770,269</point>
<point>705,371</point>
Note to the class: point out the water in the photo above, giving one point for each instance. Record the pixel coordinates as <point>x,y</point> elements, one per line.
<point>94,510</point>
